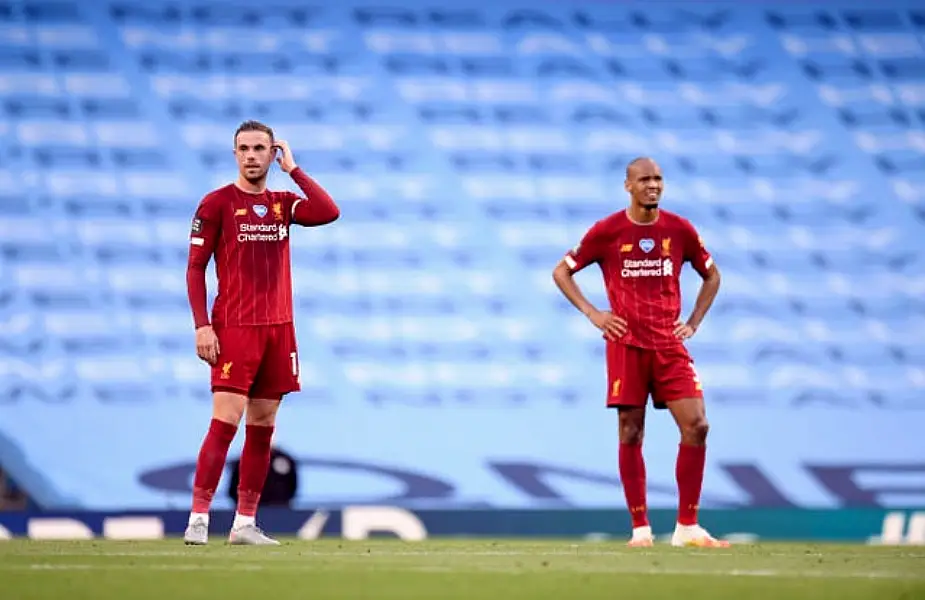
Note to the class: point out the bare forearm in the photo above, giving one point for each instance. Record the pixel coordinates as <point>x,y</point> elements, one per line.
<point>566,284</point>
<point>708,290</point>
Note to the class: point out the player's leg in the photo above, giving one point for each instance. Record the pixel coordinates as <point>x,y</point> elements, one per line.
<point>690,415</point>
<point>227,409</point>
<point>633,472</point>
<point>255,463</point>
<point>678,388</point>
<point>628,390</point>
<point>278,375</point>
<point>231,378</point>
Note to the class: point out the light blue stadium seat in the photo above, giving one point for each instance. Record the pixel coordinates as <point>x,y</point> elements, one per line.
<point>911,352</point>
<point>167,330</point>
<point>726,307</point>
<point>866,355</point>
<point>27,238</point>
<point>464,397</point>
<point>142,285</point>
<point>88,332</point>
<point>118,379</point>
<point>56,14</point>
<point>883,308</point>
<point>21,332</point>
<point>59,284</point>
<point>835,309</point>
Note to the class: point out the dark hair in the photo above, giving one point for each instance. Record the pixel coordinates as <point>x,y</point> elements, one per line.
<point>253,126</point>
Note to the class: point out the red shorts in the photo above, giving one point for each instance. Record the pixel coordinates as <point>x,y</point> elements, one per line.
<point>260,362</point>
<point>634,373</point>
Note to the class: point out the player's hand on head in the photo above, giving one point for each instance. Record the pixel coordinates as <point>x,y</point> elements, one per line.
<point>614,327</point>
<point>207,344</point>
<point>683,331</point>
<point>284,155</point>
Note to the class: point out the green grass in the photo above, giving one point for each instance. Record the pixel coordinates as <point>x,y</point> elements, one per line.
<point>444,570</point>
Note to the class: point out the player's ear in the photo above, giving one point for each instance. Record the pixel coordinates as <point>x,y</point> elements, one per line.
<point>626,185</point>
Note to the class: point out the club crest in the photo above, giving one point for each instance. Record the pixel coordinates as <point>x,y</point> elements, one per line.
<point>646,244</point>
<point>261,210</point>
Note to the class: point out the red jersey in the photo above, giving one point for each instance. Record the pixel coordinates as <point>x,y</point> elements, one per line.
<point>248,233</point>
<point>641,265</point>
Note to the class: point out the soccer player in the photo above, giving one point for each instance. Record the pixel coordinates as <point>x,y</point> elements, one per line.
<point>250,342</point>
<point>640,251</point>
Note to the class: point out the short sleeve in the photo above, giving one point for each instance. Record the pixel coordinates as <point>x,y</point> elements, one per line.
<point>590,249</point>
<point>695,251</point>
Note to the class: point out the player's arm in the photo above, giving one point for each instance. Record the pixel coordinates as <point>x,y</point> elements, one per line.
<point>696,253</point>
<point>316,207</point>
<point>588,251</point>
<point>204,234</point>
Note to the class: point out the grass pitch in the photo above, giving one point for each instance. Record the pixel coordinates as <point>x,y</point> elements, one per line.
<point>444,570</point>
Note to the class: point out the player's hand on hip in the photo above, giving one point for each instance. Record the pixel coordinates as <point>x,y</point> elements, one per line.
<point>207,344</point>
<point>284,155</point>
<point>614,327</point>
<point>683,331</point>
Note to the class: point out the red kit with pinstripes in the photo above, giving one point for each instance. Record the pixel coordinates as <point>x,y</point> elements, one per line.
<point>641,266</point>
<point>248,234</point>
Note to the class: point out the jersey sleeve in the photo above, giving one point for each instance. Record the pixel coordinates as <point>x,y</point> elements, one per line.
<point>590,249</point>
<point>316,207</point>
<point>695,251</point>
<point>205,231</point>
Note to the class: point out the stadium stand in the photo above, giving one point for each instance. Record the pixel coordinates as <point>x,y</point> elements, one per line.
<point>468,149</point>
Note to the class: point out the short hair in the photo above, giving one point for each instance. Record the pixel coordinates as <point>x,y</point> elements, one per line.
<point>253,126</point>
<point>635,162</point>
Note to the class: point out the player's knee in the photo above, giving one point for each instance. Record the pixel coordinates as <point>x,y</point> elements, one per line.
<point>262,420</point>
<point>228,415</point>
<point>695,431</point>
<point>632,436</point>
<point>228,407</point>
<point>262,412</point>
<point>631,431</point>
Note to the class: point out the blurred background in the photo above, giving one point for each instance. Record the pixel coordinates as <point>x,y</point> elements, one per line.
<point>469,145</point>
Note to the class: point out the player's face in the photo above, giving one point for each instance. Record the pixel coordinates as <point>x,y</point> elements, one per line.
<point>645,184</point>
<point>254,152</point>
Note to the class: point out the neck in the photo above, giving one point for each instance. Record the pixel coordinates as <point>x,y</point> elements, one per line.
<point>255,187</point>
<point>642,215</point>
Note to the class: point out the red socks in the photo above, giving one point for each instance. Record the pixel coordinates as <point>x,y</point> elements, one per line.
<point>255,462</point>
<point>689,474</point>
<point>688,471</point>
<point>211,463</point>
<point>633,478</point>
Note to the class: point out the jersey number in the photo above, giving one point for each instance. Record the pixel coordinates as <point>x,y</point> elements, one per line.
<point>295,363</point>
